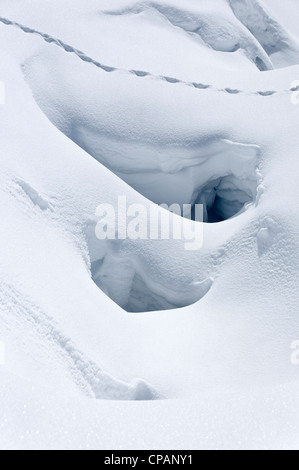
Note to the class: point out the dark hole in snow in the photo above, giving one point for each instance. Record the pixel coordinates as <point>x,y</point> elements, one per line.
<point>224,198</point>
<point>261,64</point>
<point>222,176</point>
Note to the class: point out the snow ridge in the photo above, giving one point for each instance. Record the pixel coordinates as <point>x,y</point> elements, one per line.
<point>139,73</point>
<point>88,375</point>
<point>197,27</point>
<point>278,44</point>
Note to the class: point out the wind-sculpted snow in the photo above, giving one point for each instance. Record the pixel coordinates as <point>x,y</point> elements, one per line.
<point>256,33</point>
<point>124,278</point>
<point>220,174</point>
<point>225,36</point>
<point>213,171</point>
<point>182,112</point>
<point>280,46</point>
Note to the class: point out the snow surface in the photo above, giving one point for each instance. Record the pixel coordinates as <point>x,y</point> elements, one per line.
<point>164,101</point>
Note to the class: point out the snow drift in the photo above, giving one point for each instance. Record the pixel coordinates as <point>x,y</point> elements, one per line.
<point>164,102</point>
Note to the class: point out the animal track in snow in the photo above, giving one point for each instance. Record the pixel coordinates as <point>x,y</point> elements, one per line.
<point>34,196</point>
<point>139,73</point>
<point>266,234</point>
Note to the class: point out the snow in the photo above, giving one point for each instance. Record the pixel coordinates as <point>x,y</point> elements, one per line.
<point>165,102</point>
